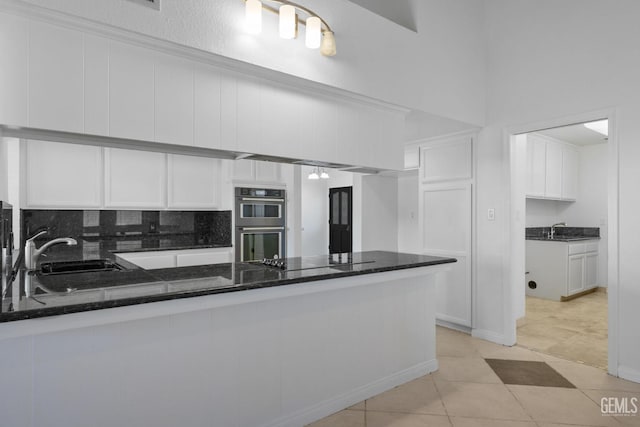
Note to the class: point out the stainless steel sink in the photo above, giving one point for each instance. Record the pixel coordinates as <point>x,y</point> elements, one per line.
<point>82,266</point>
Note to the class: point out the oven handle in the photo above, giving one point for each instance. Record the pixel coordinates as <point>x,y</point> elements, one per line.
<point>255,199</point>
<point>260,228</point>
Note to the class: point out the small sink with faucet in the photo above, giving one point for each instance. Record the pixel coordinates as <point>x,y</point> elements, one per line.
<point>31,253</point>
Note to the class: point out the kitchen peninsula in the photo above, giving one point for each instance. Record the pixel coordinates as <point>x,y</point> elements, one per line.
<point>245,343</point>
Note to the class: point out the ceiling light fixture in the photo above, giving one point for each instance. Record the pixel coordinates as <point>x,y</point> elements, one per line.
<point>324,174</point>
<point>600,126</point>
<point>317,35</point>
<point>314,174</point>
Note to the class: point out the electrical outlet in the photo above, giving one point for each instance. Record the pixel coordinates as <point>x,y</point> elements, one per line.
<point>491,214</point>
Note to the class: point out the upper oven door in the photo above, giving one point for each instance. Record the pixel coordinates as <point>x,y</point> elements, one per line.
<point>252,211</point>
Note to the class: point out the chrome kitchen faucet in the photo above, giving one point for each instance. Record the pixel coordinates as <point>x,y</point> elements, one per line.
<point>31,253</point>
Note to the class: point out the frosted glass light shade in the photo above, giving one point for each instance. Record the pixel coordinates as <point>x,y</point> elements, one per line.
<point>314,175</point>
<point>328,45</point>
<point>253,16</point>
<point>601,126</point>
<point>288,22</point>
<point>324,174</point>
<point>313,34</point>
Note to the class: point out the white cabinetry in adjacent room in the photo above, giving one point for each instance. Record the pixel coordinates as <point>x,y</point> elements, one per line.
<point>552,169</point>
<point>62,175</point>
<point>134,179</point>
<point>561,269</point>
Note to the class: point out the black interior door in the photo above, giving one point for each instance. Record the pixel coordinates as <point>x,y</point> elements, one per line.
<point>340,220</point>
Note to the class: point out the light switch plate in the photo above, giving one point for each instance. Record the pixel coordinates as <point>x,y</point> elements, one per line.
<point>491,214</point>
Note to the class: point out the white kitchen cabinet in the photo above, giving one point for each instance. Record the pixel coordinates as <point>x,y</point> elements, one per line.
<point>552,169</point>
<point>96,85</point>
<point>189,257</point>
<point>62,175</point>
<point>558,270</point>
<point>411,157</point>
<point>14,45</point>
<point>134,179</point>
<point>174,100</point>
<point>570,171</point>
<point>207,107</point>
<point>256,171</point>
<point>447,161</point>
<point>536,166</point>
<point>177,258</point>
<point>131,92</point>
<point>193,182</point>
<point>56,76</point>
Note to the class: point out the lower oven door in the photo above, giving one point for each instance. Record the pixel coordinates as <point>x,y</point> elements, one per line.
<point>257,243</point>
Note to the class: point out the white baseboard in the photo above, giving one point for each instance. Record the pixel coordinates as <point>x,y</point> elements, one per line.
<point>344,400</point>
<point>484,334</point>
<point>453,325</point>
<point>630,374</point>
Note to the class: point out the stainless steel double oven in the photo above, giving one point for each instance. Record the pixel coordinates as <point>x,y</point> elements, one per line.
<point>260,223</point>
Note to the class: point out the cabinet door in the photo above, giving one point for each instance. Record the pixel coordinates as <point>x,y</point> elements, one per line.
<point>203,257</point>
<point>63,175</point>
<point>193,182</point>
<point>96,85</point>
<point>207,112</point>
<point>411,157</point>
<point>173,101</point>
<point>591,270</point>
<point>134,179</point>
<point>131,92</point>
<point>267,171</point>
<point>570,162</point>
<point>553,183</point>
<point>575,273</point>
<point>56,76</point>
<point>536,166</point>
<point>14,45</point>
<point>244,170</point>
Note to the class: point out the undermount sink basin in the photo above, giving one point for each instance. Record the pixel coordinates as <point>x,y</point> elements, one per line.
<point>83,266</point>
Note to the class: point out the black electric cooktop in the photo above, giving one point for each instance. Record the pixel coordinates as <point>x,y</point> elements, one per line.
<point>321,261</point>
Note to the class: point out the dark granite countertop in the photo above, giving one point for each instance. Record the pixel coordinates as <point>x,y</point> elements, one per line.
<point>563,238</point>
<point>562,234</point>
<point>34,295</point>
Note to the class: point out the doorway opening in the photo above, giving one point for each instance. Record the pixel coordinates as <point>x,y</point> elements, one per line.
<point>340,220</point>
<point>560,195</point>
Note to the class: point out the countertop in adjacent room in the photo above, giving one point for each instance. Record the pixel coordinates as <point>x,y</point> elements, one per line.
<point>33,295</point>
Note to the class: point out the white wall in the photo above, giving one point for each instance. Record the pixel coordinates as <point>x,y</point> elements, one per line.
<point>379,213</point>
<point>4,191</point>
<point>408,210</point>
<point>543,213</point>
<point>546,62</point>
<point>442,65</point>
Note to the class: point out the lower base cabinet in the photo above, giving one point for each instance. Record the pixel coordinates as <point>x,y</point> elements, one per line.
<point>560,269</point>
<point>177,258</point>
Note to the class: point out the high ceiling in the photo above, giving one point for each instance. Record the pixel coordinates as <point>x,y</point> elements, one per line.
<point>399,11</point>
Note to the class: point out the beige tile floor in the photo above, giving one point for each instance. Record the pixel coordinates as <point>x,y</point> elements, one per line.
<point>465,392</point>
<point>573,330</point>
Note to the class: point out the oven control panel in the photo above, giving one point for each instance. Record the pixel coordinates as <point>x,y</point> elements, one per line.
<point>270,193</point>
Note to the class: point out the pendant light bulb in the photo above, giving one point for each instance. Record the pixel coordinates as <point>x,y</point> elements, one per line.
<point>314,175</point>
<point>313,33</point>
<point>253,16</point>
<point>328,45</point>
<point>288,22</point>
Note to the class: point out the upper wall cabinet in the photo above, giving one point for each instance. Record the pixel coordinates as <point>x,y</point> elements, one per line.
<point>193,182</point>
<point>552,169</point>
<point>447,161</point>
<point>14,45</point>
<point>62,175</point>
<point>174,100</point>
<point>56,78</point>
<point>134,179</point>
<point>256,171</point>
<point>131,92</point>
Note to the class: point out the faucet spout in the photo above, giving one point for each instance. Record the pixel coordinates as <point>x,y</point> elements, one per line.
<point>554,226</point>
<point>31,254</point>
